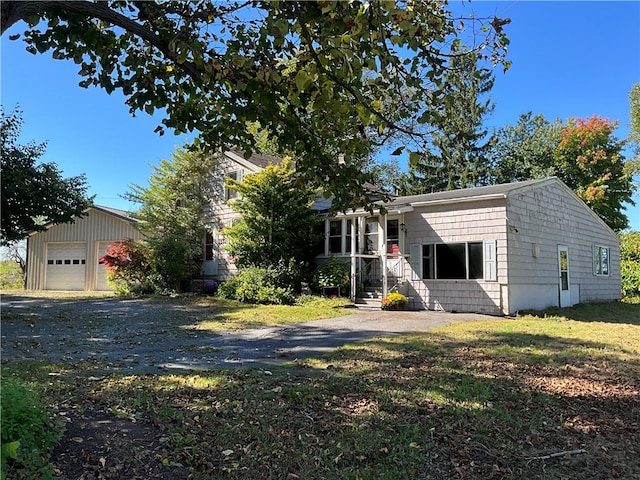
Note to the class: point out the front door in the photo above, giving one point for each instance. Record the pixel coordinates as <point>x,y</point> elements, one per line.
<point>563,270</point>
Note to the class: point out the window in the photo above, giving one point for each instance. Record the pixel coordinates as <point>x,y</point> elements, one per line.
<point>347,244</point>
<point>208,246</point>
<point>393,236</point>
<point>335,236</point>
<point>456,261</point>
<point>230,193</point>
<point>601,260</point>
<point>371,236</point>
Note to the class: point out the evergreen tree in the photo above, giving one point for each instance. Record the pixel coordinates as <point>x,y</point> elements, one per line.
<point>460,146</point>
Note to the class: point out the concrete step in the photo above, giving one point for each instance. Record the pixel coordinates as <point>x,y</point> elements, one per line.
<point>373,303</point>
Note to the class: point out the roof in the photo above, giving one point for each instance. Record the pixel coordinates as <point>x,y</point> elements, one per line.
<point>121,214</point>
<point>124,215</point>
<point>259,159</point>
<point>466,194</point>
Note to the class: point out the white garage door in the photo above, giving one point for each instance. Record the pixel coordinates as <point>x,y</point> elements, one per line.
<point>66,266</point>
<point>101,272</point>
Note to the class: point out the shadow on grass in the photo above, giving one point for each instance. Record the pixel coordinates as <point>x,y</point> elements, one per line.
<point>608,312</point>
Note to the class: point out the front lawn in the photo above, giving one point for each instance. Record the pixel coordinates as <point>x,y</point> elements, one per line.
<point>538,397</point>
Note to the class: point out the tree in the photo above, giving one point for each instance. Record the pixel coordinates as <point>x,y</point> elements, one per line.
<point>458,156</point>
<point>127,265</point>
<point>632,166</point>
<point>278,227</point>
<point>171,212</point>
<point>630,263</point>
<point>314,74</point>
<point>589,160</point>
<point>524,151</point>
<point>34,195</point>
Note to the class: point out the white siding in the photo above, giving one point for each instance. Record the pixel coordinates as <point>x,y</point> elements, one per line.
<point>96,227</point>
<point>543,218</point>
<point>468,222</point>
<point>222,215</point>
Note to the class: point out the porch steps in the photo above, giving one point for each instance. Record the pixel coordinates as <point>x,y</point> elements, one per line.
<point>369,298</point>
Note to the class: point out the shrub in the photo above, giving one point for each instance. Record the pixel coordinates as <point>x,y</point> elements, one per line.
<point>28,434</point>
<point>257,285</point>
<point>394,301</point>
<point>127,265</point>
<point>332,273</point>
<point>630,263</point>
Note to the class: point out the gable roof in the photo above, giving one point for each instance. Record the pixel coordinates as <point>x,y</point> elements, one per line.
<point>121,214</point>
<point>465,194</point>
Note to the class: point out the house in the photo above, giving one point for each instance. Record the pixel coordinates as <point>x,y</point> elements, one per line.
<point>232,165</point>
<point>65,256</point>
<point>496,250</point>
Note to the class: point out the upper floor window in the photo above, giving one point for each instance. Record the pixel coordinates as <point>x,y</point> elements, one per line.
<point>601,260</point>
<point>230,193</point>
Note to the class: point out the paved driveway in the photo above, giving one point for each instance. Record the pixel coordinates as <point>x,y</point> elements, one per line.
<point>152,335</point>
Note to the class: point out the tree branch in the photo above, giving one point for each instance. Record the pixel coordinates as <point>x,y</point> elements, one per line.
<point>307,36</point>
<point>16,11</point>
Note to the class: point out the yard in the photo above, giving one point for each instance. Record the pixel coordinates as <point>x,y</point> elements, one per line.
<point>551,396</point>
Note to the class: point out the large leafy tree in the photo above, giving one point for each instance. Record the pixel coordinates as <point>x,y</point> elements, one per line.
<point>34,194</point>
<point>632,166</point>
<point>525,150</point>
<point>459,149</point>
<point>277,225</point>
<point>589,160</point>
<point>172,211</point>
<point>315,74</point>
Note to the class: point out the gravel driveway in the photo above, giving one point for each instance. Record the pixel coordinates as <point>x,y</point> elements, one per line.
<point>150,335</point>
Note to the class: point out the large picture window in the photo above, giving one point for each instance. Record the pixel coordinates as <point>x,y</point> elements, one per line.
<point>455,261</point>
<point>601,260</point>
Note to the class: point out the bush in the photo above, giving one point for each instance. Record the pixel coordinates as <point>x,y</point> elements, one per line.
<point>257,285</point>
<point>127,265</point>
<point>332,273</point>
<point>630,263</point>
<point>394,301</point>
<point>28,434</point>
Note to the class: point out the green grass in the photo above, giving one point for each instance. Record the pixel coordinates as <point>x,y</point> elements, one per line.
<point>231,315</point>
<point>477,399</point>
<point>10,275</point>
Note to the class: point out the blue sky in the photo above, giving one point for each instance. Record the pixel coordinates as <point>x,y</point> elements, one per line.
<point>570,59</point>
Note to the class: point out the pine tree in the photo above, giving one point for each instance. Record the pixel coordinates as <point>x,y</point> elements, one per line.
<point>460,146</point>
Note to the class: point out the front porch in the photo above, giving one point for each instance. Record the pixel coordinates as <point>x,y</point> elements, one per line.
<point>374,247</point>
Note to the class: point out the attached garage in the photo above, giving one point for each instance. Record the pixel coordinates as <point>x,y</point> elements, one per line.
<point>66,266</point>
<point>65,256</point>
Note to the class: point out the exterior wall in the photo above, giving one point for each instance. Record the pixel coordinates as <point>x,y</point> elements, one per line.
<point>94,228</point>
<point>222,215</point>
<point>541,219</point>
<point>465,222</point>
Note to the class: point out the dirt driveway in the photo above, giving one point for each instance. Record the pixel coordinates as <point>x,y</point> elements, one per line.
<point>152,335</point>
